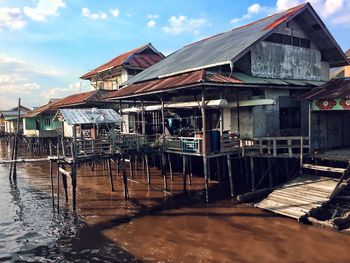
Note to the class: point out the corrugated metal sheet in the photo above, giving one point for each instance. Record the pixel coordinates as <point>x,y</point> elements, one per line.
<point>335,88</point>
<point>135,60</point>
<point>90,116</point>
<point>75,99</point>
<point>218,49</point>
<point>159,85</point>
<point>200,76</point>
<point>222,48</point>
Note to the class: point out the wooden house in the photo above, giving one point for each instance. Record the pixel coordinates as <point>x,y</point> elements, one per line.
<point>42,123</point>
<point>244,82</point>
<point>342,72</point>
<point>8,120</point>
<point>113,73</point>
<point>329,115</point>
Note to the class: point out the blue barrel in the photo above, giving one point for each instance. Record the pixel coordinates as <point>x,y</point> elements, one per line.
<point>215,141</point>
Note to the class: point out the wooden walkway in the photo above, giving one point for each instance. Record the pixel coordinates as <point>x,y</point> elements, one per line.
<point>297,198</point>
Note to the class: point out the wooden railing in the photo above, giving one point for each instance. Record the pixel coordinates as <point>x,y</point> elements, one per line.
<point>183,144</point>
<point>275,146</point>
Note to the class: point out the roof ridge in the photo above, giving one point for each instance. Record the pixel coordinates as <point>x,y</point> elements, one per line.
<point>249,24</point>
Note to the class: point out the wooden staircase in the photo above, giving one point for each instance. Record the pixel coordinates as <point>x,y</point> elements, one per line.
<point>306,193</point>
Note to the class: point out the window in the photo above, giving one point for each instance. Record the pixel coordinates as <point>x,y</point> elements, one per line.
<point>290,118</point>
<point>288,40</point>
<point>47,122</point>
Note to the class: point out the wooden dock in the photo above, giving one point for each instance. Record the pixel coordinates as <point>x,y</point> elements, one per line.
<point>300,196</point>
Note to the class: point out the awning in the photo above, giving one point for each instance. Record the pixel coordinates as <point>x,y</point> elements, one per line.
<point>89,116</point>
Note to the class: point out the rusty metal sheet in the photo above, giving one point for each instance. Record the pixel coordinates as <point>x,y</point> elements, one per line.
<point>90,116</point>
<point>333,89</point>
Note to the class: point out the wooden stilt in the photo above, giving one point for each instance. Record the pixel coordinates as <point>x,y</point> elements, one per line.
<point>170,168</point>
<point>270,172</point>
<point>218,166</point>
<point>184,172</point>
<point>125,181</point>
<point>52,189</point>
<point>229,168</point>
<point>74,186</point>
<point>252,173</point>
<point>64,182</point>
<point>147,170</point>
<point>110,174</point>
<point>165,179</point>
<point>131,168</point>
<point>205,168</point>
<point>58,188</point>
<point>189,164</point>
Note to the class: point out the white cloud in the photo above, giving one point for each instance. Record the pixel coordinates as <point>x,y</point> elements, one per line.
<point>115,12</point>
<point>11,18</point>
<point>285,4</point>
<point>182,24</point>
<point>44,9</point>
<point>252,10</point>
<point>151,23</point>
<point>85,12</point>
<point>54,93</point>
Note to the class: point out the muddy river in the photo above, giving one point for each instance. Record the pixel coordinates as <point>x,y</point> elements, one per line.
<point>151,227</point>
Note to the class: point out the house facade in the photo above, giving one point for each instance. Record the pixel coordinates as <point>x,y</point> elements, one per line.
<point>8,120</point>
<point>342,72</point>
<point>42,121</point>
<point>113,73</point>
<point>248,79</point>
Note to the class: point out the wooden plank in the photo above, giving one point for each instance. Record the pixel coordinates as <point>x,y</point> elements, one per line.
<point>323,168</point>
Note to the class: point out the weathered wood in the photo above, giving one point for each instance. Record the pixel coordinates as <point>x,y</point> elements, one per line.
<point>229,168</point>
<point>323,168</point>
<point>52,188</point>
<point>256,195</point>
<point>206,182</point>
<point>110,174</point>
<point>170,168</point>
<point>125,180</point>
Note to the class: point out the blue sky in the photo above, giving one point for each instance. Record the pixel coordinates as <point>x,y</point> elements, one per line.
<point>47,44</point>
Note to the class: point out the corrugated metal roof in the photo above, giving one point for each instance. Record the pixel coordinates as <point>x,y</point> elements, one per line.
<point>131,57</point>
<point>181,80</point>
<point>201,76</point>
<point>90,116</point>
<point>225,47</point>
<point>335,88</point>
<point>72,100</point>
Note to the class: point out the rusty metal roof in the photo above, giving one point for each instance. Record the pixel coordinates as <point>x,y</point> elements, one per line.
<point>90,116</point>
<point>133,58</point>
<point>228,47</point>
<point>335,88</point>
<point>182,80</point>
<point>191,79</point>
<point>69,101</point>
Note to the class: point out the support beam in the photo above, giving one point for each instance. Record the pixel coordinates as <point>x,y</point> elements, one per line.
<point>229,168</point>
<point>110,174</point>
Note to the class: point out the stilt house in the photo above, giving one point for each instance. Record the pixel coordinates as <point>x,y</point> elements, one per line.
<point>8,119</point>
<point>113,73</point>
<point>42,123</point>
<point>241,83</point>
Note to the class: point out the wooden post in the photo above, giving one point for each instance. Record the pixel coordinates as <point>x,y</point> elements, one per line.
<point>163,119</point>
<point>58,188</point>
<point>229,168</point>
<point>52,189</point>
<point>110,174</point>
<point>143,124</point>
<point>204,146</point>
<point>147,170</point>
<point>189,170</point>
<point>131,168</point>
<point>170,168</point>
<point>270,171</point>
<point>184,172</point>
<point>252,173</point>
<point>16,139</point>
<point>218,167</point>
<point>74,168</point>
<point>125,180</point>
<point>64,182</point>
<point>165,179</point>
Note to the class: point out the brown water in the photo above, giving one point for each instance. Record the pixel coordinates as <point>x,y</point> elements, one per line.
<point>151,227</point>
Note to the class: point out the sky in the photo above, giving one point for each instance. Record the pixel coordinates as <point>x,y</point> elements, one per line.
<point>46,45</point>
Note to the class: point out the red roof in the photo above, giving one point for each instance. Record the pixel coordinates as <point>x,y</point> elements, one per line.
<point>171,82</point>
<point>132,57</point>
<point>69,101</point>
